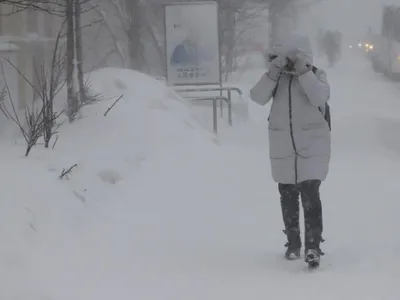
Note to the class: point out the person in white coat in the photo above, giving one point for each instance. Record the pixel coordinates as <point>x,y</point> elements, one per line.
<point>299,139</point>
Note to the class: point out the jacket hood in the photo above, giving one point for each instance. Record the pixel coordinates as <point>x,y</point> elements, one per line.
<point>295,42</point>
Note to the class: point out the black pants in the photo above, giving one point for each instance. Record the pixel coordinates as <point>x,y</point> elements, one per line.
<point>310,198</point>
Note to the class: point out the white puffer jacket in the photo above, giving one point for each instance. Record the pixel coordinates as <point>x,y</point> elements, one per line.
<point>299,135</point>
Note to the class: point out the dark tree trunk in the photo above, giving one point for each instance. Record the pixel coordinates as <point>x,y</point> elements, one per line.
<point>78,48</point>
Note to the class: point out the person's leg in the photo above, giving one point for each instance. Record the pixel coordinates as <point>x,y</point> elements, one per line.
<point>290,212</point>
<point>312,207</point>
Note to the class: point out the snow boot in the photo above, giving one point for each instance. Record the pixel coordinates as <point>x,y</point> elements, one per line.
<point>312,258</point>
<point>312,220</point>
<point>290,212</point>
<point>293,245</point>
<point>313,252</point>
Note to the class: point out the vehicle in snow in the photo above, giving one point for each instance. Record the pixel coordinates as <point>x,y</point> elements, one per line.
<point>386,49</point>
<point>371,46</point>
<point>369,42</point>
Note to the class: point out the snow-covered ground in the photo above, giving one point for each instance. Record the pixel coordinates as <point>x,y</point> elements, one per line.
<point>159,208</point>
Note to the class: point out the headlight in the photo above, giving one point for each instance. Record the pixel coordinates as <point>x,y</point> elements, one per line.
<point>360,45</point>
<point>371,47</point>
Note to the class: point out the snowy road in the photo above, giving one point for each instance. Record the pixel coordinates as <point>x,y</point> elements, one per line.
<point>200,225</point>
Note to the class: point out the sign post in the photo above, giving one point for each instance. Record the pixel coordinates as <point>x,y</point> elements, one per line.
<point>192,44</point>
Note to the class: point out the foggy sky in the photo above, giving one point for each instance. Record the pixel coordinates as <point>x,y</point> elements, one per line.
<point>351,17</point>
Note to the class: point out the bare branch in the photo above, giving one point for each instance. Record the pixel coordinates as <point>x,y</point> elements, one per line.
<point>112,34</point>
<point>55,142</point>
<point>39,122</point>
<point>79,196</point>
<point>111,107</point>
<point>49,6</point>
<point>66,172</point>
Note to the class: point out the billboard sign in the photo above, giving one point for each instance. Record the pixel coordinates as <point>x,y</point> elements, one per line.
<point>192,43</point>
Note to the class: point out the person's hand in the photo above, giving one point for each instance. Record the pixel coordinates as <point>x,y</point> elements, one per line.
<point>300,64</point>
<point>276,67</point>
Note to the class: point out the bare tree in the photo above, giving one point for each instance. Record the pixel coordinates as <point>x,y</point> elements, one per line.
<point>50,84</point>
<point>78,48</point>
<point>77,88</point>
<point>236,20</point>
<point>132,24</point>
<point>71,86</point>
<point>70,11</point>
<point>115,40</point>
<point>39,118</point>
<point>282,14</point>
<point>55,7</point>
<point>130,14</point>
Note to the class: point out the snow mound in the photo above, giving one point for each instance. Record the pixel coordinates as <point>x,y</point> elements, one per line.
<point>40,214</point>
<point>148,120</point>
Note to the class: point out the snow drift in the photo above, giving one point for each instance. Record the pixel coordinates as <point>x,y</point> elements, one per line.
<point>43,217</point>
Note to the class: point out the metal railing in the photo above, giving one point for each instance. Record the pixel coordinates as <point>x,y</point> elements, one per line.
<point>215,109</point>
<point>215,99</point>
<point>216,89</point>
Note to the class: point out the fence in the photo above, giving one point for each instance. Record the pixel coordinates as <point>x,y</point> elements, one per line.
<point>221,99</point>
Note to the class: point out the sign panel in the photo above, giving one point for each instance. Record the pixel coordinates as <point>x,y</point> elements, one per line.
<point>192,43</point>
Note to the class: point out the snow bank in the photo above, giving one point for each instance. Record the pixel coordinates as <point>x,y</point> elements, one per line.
<point>42,216</point>
<point>148,119</point>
